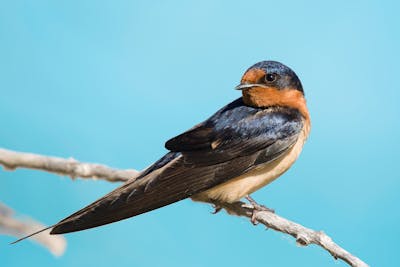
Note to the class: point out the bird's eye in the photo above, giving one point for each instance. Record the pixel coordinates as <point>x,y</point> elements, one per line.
<point>270,77</point>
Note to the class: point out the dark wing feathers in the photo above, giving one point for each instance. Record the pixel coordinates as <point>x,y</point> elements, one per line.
<point>159,188</point>
<point>236,131</point>
<point>231,142</point>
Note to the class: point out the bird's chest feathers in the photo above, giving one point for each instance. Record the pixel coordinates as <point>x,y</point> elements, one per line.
<point>249,182</point>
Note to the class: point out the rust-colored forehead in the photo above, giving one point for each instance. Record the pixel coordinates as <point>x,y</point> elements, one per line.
<point>253,76</point>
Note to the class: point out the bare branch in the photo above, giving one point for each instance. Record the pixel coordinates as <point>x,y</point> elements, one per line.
<point>70,167</point>
<point>304,236</point>
<point>11,226</point>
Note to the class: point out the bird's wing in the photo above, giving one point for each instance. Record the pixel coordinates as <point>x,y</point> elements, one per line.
<point>236,131</point>
<point>231,142</point>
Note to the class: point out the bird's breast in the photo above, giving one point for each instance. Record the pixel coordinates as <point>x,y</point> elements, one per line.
<point>249,182</point>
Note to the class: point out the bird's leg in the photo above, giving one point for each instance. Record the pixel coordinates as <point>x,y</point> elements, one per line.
<point>217,208</point>
<point>257,207</point>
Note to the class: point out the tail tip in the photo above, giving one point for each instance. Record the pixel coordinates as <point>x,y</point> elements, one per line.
<point>30,235</point>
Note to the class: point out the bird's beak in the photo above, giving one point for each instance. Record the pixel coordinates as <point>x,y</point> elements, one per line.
<point>243,86</point>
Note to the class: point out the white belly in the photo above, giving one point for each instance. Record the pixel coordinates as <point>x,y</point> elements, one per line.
<point>247,183</point>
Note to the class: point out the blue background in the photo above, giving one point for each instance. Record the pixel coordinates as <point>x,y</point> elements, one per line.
<point>111,81</point>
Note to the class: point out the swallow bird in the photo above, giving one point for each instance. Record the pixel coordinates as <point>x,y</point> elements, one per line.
<point>241,148</point>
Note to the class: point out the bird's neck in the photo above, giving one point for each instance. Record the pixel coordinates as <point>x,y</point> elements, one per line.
<point>267,97</point>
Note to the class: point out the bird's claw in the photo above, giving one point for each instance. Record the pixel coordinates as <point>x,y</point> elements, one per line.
<point>257,207</point>
<point>217,209</point>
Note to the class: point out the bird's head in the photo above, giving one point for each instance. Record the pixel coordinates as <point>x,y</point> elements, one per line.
<point>270,83</point>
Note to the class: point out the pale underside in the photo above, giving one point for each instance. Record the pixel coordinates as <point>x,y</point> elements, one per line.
<point>247,183</point>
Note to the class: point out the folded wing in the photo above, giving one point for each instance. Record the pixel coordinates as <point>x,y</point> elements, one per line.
<point>230,143</point>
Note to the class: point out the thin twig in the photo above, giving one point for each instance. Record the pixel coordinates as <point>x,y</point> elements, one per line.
<point>69,167</point>
<point>18,228</point>
<point>304,236</point>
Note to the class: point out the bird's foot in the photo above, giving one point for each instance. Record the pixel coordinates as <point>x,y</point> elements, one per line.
<point>257,207</point>
<point>217,209</point>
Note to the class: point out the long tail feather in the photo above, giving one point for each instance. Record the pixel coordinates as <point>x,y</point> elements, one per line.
<point>35,233</point>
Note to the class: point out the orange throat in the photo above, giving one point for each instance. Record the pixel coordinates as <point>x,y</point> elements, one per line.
<point>267,97</point>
